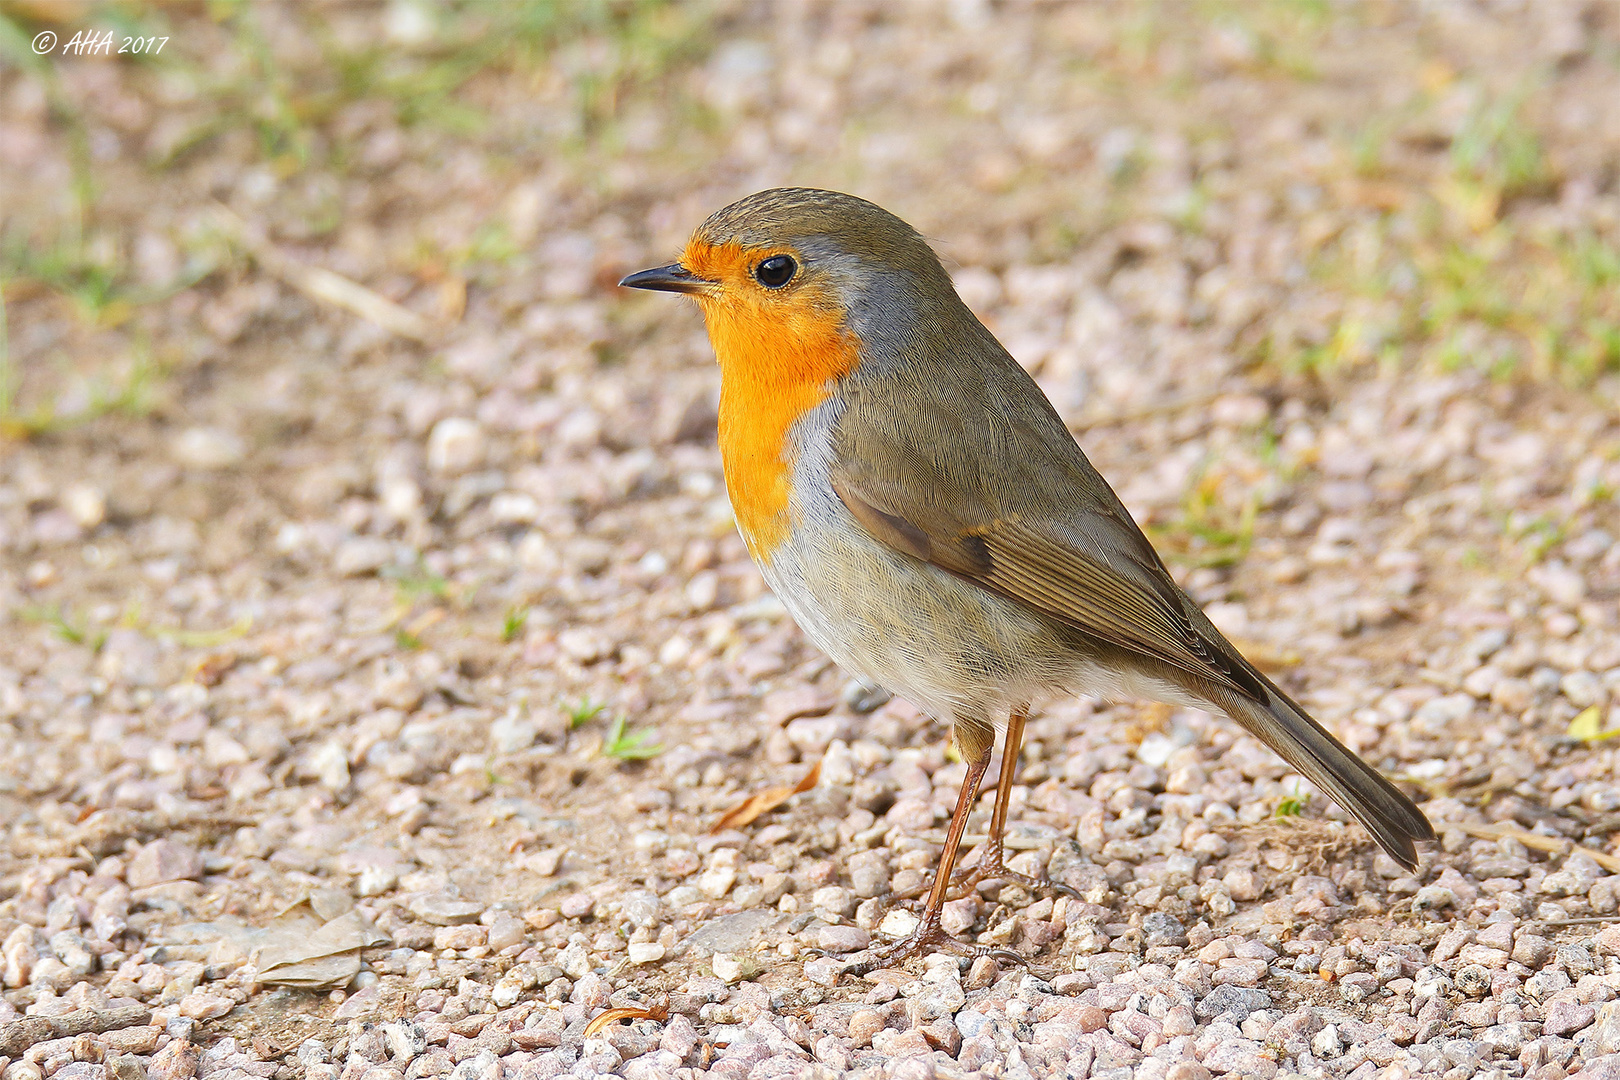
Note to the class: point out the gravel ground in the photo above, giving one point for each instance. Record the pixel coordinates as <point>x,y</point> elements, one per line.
<point>369,686</point>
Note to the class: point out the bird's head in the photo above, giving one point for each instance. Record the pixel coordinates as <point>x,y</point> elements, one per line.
<point>800,265</point>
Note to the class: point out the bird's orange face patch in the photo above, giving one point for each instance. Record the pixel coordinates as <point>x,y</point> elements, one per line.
<point>779,349</point>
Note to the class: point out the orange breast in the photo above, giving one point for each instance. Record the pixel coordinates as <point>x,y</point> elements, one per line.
<point>779,355</point>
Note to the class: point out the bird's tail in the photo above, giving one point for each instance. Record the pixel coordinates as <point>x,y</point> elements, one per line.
<point>1389,816</point>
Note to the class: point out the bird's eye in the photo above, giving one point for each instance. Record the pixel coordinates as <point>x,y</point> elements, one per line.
<point>776,271</point>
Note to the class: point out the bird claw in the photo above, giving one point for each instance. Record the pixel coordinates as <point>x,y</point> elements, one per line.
<point>966,879</point>
<point>920,942</point>
<point>910,900</point>
<point>928,937</point>
<point>970,877</point>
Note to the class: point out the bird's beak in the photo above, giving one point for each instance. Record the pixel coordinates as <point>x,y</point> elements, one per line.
<point>671,278</point>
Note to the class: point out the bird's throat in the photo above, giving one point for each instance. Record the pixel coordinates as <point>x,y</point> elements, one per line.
<point>777,363</point>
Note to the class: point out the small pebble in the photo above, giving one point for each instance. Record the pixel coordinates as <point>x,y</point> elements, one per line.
<point>441,910</point>
<point>645,952</point>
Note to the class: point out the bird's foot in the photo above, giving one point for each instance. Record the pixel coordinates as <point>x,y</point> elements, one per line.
<point>928,937</point>
<point>991,868</point>
<point>907,899</point>
<point>967,879</point>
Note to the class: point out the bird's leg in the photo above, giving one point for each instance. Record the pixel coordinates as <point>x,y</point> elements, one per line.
<point>930,935</point>
<point>990,866</point>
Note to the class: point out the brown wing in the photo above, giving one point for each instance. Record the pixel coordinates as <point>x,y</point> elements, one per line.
<point>1041,527</point>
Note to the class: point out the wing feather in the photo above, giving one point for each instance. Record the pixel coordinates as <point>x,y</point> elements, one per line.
<point>1054,539</point>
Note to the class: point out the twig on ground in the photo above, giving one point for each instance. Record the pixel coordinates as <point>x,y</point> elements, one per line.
<point>325,286</point>
<point>20,1035</point>
<point>1590,920</point>
<point>1536,842</point>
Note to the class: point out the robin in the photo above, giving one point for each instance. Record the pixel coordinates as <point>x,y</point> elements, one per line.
<point>917,505</point>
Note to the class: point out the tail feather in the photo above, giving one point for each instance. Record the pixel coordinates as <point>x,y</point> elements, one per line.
<point>1392,819</point>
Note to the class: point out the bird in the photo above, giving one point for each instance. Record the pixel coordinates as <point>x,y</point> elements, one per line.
<point>921,510</point>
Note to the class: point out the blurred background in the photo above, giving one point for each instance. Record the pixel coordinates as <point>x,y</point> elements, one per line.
<point>339,487</point>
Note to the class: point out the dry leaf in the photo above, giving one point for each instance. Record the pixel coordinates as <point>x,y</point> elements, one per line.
<point>763,802</point>
<point>1588,726</point>
<point>316,943</point>
<point>659,1012</point>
